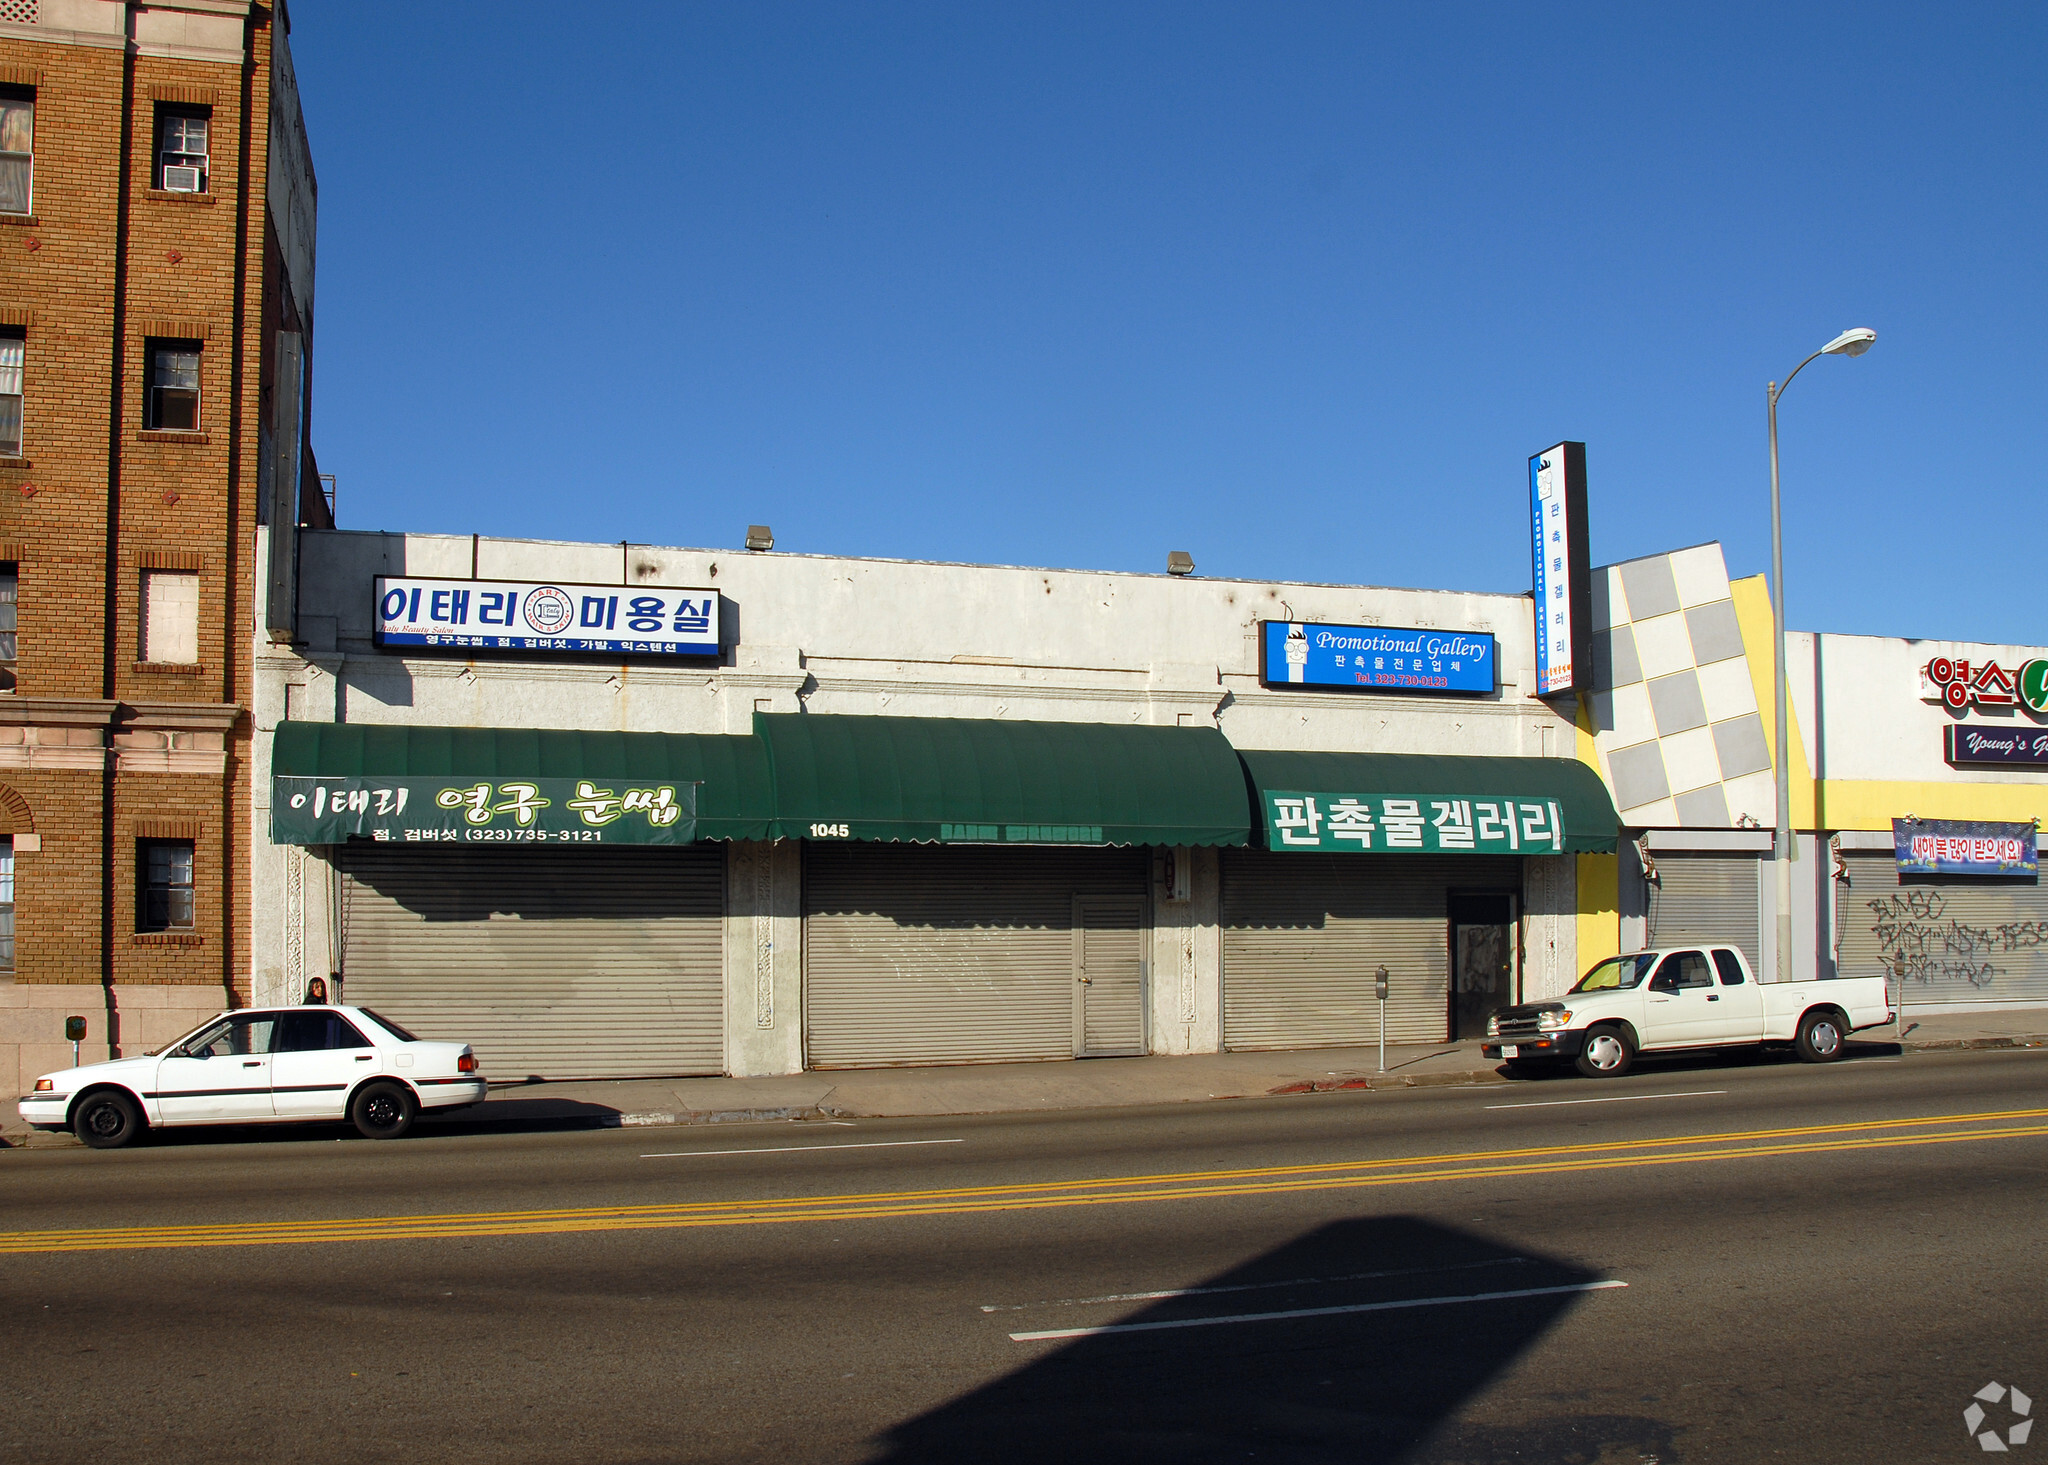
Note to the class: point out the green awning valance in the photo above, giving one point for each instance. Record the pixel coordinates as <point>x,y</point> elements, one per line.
<point>734,793</point>
<point>1394,803</point>
<point>982,781</point>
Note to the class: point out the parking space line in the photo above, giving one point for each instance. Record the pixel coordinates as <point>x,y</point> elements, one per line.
<point>872,1144</point>
<point>1496,1261</point>
<point>1608,1099</point>
<point>1052,1334</point>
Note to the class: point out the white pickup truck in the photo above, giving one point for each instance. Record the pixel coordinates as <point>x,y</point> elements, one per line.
<point>1682,997</point>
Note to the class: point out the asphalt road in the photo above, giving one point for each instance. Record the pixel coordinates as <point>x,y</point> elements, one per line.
<point>1721,1262</point>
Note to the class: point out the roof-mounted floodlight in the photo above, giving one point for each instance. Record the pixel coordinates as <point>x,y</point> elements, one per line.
<point>760,536</point>
<point>1180,562</point>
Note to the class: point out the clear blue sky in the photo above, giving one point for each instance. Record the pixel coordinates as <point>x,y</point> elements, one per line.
<point>1295,287</point>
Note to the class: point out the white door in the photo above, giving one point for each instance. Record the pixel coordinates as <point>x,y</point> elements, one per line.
<point>1738,1002</point>
<point>1680,1007</point>
<point>320,1056</point>
<point>220,1075</point>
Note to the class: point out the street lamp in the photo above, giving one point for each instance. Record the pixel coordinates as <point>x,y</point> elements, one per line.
<point>1849,343</point>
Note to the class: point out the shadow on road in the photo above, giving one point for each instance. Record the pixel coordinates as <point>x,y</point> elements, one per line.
<point>1357,1387</point>
<point>1707,1059</point>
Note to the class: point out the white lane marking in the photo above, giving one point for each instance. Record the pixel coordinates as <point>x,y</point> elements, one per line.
<point>1299,1312</point>
<point>873,1144</point>
<point>1503,1261</point>
<point>1610,1099</point>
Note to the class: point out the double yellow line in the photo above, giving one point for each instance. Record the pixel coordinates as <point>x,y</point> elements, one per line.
<point>1115,1190</point>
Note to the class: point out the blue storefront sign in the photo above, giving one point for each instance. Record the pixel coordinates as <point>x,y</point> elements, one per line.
<point>1996,747</point>
<point>521,615</point>
<point>1376,658</point>
<point>1964,847</point>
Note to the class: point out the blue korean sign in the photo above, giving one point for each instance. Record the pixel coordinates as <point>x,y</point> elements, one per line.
<point>1964,847</point>
<point>519,615</point>
<point>1313,654</point>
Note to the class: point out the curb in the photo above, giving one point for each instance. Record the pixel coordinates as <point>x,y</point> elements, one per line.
<point>1936,1045</point>
<point>1384,1081</point>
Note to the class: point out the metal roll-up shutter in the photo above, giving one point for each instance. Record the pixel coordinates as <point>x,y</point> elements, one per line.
<point>1303,936</point>
<point>1964,940</point>
<point>1708,899</point>
<point>570,963</point>
<point>936,954</point>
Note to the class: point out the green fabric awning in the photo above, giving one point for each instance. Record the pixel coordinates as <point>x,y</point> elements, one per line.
<point>734,790</point>
<point>1393,803</point>
<point>981,781</point>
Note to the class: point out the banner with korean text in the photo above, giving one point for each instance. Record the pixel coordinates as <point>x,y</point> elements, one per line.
<point>1964,847</point>
<point>1427,824</point>
<point>478,811</point>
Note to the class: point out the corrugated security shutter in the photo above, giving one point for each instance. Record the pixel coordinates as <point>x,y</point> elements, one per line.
<point>1708,899</point>
<point>1304,934</point>
<point>571,963</point>
<point>922,954</point>
<point>1962,941</point>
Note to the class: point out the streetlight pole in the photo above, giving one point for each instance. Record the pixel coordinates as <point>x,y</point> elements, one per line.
<point>1849,343</point>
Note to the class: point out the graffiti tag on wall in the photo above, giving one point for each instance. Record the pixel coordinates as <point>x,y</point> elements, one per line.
<point>1921,941</point>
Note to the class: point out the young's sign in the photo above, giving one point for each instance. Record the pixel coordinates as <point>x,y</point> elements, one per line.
<point>1963,847</point>
<point>1996,747</point>
<point>1374,658</point>
<point>450,810</point>
<point>522,615</point>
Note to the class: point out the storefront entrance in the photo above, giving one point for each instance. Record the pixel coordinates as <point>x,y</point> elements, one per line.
<point>1484,957</point>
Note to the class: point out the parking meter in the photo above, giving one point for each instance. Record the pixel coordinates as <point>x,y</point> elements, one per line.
<point>74,1032</point>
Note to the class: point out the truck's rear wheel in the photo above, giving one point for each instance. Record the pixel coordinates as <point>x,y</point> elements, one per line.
<point>1822,1037</point>
<point>1608,1052</point>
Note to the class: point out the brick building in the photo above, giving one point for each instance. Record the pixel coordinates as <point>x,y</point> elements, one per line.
<point>157,214</point>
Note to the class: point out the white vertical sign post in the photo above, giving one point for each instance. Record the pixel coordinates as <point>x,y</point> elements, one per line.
<point>1562,569</point>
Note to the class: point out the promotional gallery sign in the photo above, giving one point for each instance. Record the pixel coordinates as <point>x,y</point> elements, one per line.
<point>525,615</point>
<point>1377,658</point>
<point>450,810</point>
<point>1963,847</point>
<point>1562,562</point>
<point>1996,747</point>
<point>1430,824</point>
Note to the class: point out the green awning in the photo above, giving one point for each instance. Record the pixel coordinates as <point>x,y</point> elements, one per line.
<point>1393,803</point>
<point>958,780</point>
<point>734,792</point>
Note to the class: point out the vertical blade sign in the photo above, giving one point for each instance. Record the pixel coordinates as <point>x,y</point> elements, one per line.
<point>1563,570</point>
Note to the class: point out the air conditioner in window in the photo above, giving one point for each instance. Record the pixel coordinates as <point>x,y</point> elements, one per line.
<point>181,180</point>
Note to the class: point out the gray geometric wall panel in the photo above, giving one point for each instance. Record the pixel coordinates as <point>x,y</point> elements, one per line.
<point>1676,701</point>
<point>1639,776</point>
<point>1650,587</point>
<point>1716,634</point>
<point>1704,808</point>
<point>1740,742</point>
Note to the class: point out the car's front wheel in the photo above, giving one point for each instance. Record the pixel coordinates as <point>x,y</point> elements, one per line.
<point>382,1110</point>
<point>1606,1053</point>
<point>106,1120</point>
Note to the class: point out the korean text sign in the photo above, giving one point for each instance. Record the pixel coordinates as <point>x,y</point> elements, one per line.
<point>1964,847</point>
<point>1562,565</point>
<point>1428,824</point>
<point>1313,654</point>
<point>519,615</point>
<point>455,810</point>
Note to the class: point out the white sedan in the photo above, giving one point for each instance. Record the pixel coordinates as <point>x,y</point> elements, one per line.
<point>261,1066</point>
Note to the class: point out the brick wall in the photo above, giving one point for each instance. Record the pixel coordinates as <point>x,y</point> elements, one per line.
<point>97,746</point>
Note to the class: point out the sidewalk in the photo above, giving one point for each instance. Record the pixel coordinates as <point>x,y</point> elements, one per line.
<point>1008,1088</point>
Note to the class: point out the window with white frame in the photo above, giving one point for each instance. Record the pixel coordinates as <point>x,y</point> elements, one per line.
<point>12,352</point>
<point>10,590</point>
<point>181,156</point>
<point>17,149</point>
<point>165,894</point>
<point>173,404</point>
<point>170,617</point>
<point>6,902</point>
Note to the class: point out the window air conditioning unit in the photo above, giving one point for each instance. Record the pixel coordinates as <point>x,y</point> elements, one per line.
<point>181,180</point>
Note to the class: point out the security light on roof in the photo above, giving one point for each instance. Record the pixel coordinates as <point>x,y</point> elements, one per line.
<point>760,536</point>
<point>1180,562</point>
